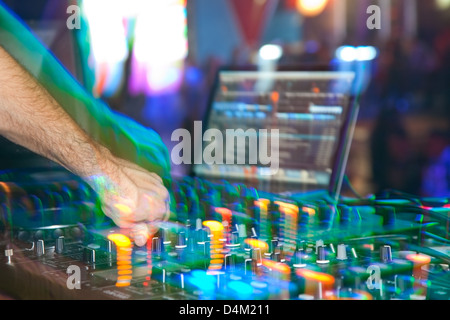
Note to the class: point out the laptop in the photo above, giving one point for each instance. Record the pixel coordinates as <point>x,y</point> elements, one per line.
<point>285,132</point>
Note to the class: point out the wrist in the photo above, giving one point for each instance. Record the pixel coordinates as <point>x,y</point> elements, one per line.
<point>100,168</point>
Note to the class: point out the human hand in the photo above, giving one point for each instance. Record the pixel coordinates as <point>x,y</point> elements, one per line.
<point>131,196</point>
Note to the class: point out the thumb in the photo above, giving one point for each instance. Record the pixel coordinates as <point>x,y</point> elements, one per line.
<point>140,234</point>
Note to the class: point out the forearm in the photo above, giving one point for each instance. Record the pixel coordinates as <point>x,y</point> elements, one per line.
<point>30,117</point>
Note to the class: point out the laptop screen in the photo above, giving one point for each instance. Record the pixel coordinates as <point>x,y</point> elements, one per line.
<point>280,131</point>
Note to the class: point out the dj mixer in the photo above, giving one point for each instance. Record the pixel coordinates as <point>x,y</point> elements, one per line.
<point>223,242</point>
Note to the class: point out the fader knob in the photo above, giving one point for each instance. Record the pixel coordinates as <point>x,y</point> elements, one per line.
<point>298,259</point>
<point>89,255</point>
<point>322,255</point>
<point>40,248</point>
<point>181,240</point>
<point>59,244</point>
<point>109,247</point>
<point>386,254</point>
<point>319,243</point>
<point>341,252</point>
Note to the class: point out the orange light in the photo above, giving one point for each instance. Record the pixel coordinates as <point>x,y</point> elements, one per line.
<point>217,261</point>
<point>315,276</point>
<point>311,8</point>
<point>284,205</point>
<point>122,284</point>
<point>120,240</point>
<point>124,251</point>
<point>275,96</point>
<point>214,226</point>
<point>277,266</point>
<point>224,212</point>
<point>309,210</point>
<point>264,201</point>
<point>5,187</point>
<point>418,258</point>
<point>255,243</point>
<point>124,272</point>
<point>355,295</point>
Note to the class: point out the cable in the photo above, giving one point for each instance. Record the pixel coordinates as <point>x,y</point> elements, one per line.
<point>346,183</point>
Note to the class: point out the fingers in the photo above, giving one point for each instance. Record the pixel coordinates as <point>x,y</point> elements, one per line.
<point>134,199</point>
<point>140,233</point>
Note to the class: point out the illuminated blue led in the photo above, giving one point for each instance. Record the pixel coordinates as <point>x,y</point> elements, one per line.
<point>242,289</point>
<point>202,280</point>
<point>350,54</point>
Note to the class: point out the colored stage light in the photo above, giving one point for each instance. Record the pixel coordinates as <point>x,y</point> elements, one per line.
<point>311,8</point>
<point>350,54</point>
<point>270,52</point>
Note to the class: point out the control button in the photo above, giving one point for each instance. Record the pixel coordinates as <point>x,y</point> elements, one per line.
<point>109,247</point>
<point>298,259</point>
<point>254,262</point>
<point>156,246</point>
<point>166,243</point>
<point>89,255</point>
<point>40,248</point>
<point>322,255</point>
<point>230,262</point>
<point>319,243</point>
<point>58,233</point>
<point>59,244</point>
<point>39,235</point>
<point>342,252</point>
<point>386,254</point>
<point>8,254</point>
<point>181,240</point>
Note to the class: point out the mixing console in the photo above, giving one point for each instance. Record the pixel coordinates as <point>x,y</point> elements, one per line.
<point>223,242</point>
